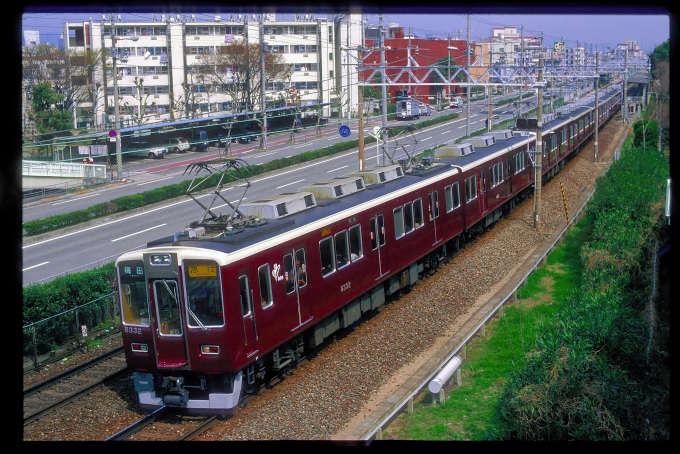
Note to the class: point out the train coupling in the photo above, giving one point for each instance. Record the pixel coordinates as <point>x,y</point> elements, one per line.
<point>175,394</point>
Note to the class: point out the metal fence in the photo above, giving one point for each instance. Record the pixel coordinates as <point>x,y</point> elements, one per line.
<point>58,336</point>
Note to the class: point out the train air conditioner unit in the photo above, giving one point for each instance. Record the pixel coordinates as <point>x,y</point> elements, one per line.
<point>454,151</point>
<point>482,141</point>
<point>279,206</point>
<point>336,188</point>
<point>547,118</point>
<point>378,175</point>
<point>501,134</point>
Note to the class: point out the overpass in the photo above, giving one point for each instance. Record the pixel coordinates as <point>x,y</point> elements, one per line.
<point>40,176</point>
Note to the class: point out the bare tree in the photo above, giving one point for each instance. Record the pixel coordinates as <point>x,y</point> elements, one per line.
<point>140,111</point>
<point>71,74</point>
<point>235,70</point>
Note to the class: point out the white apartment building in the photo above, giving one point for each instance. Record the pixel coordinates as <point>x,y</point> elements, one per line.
<point>165,52</point>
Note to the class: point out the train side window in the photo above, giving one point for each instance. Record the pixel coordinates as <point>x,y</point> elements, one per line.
<point>301,267</point>
<point>381,230</point>
<point>356,250</point>
<point>341,249</point>
<point>452,196</point>
<point>418,212</point>
<point>289,273</point>
<point>398,222</point>
<point>434,204</point>
<point>408,217</point>
<point>244,295</point>
<point>374,238</point>
<point>264,279</point>
<point>470,188</point>
<point>326,254</point>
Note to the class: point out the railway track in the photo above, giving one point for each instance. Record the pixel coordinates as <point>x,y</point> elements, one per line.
<point>166,424</point>
<point>61,389</point>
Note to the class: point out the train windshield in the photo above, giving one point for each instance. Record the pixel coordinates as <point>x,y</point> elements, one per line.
<point>167,305</point>
<point>204,297</point>
<point>133,296</point>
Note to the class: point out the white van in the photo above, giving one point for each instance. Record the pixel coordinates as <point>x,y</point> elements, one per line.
<point>144,149</point>
<point>178,145</point>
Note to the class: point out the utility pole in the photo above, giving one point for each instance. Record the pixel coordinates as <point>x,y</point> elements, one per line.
<point>597,115</point>
<point>625,88</point>
<point>384,85</point>
<point>361,118</point>
<point>539,150</point>
<point>263,50</point>
<point>521,56</point>
<point>467,51</point>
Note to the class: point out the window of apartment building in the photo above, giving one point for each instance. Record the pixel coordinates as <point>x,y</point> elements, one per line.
<point>141,51</point>
<point>150,31</point>
<point>200,50</point>
<point>198,31</point>
<point>158,109</point>
<point>155,90</point>
<point>197,69</point>
<point>151,70</point>
<point>233,30</point>
<point>330,34</point>
<point>125,91</point>
<point>304,67</point>
<point>306,85</point>
<point>276,86</point>
<point>304,30</point>
<point>279,49</point>
<point>303,49</point>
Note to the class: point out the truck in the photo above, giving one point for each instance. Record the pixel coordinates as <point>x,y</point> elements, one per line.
<point>408,109</point>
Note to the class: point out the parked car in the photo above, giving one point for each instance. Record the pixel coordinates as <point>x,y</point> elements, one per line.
<point>178,145</point>
<point>145,149</point>
<point>456,101</point>
<point>425,109</point>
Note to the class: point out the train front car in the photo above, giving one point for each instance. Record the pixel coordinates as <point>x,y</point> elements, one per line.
<point>175,330</point>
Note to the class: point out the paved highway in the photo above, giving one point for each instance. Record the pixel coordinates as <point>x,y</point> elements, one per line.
<point>85,247</point>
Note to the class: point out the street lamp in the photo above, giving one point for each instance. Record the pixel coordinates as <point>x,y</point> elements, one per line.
<point>119,157</point>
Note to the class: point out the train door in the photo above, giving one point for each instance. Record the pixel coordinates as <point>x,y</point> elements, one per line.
<point>249,323</point>
<point>377,228</point>
<point>297,286</point>
<point>169,328</point>
<point>434,214</point>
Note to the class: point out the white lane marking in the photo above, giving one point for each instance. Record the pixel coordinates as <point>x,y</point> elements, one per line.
<point>153,181</point>
<point>279,187</point>
<point>339,168</point>
<point>74,200</point>
<point>137,233</point>
<point>35,266</point>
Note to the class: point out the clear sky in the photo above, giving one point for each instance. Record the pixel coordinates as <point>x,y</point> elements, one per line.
<point>602,26</point>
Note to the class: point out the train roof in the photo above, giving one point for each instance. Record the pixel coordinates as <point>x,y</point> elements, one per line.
<point>372,192</point>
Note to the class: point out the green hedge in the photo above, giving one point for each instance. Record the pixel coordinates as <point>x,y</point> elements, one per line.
<point>591,374</point>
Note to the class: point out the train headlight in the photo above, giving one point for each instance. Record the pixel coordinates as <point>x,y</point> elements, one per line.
<point>160,259</point>
<point>140,348</point>
<point>210,349</point>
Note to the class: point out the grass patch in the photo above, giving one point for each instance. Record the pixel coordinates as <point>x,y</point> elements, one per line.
<point>468,412</point>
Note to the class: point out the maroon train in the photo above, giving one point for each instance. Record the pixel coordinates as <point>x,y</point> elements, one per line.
<point>211,312</point>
